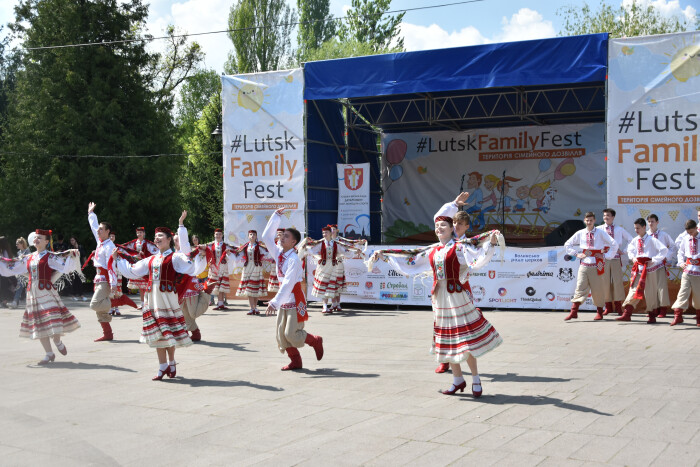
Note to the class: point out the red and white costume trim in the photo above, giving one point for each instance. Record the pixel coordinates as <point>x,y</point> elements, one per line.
<point>250,256</point>
<point>648,255</point>
<point>45,315</point>
<point>163,322</point>
<point>145,248</point>
<point>329,279</point>
<point>460,328</point>
<point>103,253</point>
<point>223,256</point>
<point>273,283</point>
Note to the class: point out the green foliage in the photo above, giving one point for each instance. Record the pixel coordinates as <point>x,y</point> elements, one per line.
<point>201,182</point>
<point>402,229</point>
<point>623,21</point>
<point>96,100</point>
<point>261,31</point>
<point>336,49</point>
<point>364,24</point>
<point>195,94</point>
<point>316,26</point>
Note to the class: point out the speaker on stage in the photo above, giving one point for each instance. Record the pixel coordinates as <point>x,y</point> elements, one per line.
<point>564,232</point>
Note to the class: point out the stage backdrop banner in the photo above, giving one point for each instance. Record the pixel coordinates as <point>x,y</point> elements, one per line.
<point>552,174</point>
<point>353,200</point>
<point>263,151</point>
<point>530,278</point>
<point>653,135</point>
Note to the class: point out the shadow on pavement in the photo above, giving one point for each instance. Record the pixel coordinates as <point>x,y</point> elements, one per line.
<point>196,383</point>
<point>353,313</point>
<point>516,378</point>
<point>225,345</point>
<point>499,399</point>
<point>333,373</point>
<point>83,366</point>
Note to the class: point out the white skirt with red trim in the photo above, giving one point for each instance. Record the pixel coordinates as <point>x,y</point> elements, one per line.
<point>326,282</point>
<point>163,322</point>
<point>252,282</point>
<point>46,315</point>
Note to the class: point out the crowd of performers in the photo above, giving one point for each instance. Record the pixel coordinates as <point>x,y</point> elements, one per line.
<point>176,281</point>
<point>601,250</point>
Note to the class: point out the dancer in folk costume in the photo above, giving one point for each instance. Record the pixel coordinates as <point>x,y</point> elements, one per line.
<point>252,284</point>
<point>273,283</point>
<point>164,326</point>
<point>103,299</point>
<point>664,300</point>
<point>114,311</point>
<point>340,264</point>
<point>195,299</point>
<point>594,247</point>
<point>612,278</point>
<point>220,255</point>
<point>327,253</point>
<point>144,249</point>
<point>683,236</point>
<point>461,333</point>
<point>689,259</point>
<point>289,303</point>
<point>648,255</point>
<point>45,317</point>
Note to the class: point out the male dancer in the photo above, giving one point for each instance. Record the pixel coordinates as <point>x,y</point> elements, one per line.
<point>689,259</point>
<point>144,249</point>
<point>290,302</point>
<point>648,272</point>
<point>593,247</point>
<point>664,299</point>
<point>614,288</point>
<point>105,277</point>
<point>273,283</point>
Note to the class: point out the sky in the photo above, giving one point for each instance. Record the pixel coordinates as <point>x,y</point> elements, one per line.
<point>480,22</point>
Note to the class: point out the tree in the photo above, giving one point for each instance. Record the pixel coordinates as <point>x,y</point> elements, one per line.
<point>316,26</point>
<point>334,48</point>
<point>82,101</point>
<point>195,94</point>
<point>364,24</point>
<point>201,184</point>
<point>260,32</point>
<point>629,20</point>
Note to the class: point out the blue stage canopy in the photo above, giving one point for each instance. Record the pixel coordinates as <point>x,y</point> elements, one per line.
<point>561,60</point>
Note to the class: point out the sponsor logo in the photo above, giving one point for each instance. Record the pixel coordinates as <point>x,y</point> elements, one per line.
<point>530,299</point>
<point>502,291</point>
<point>369,285</point>
<point>502,300</point>
<point>352,284</point>
<point>566,274</point>
<point>477,274</point>
<point>418,291</point>
<point>552,256</point>
<point>354,272</point>
<point>539,274</point>
<point>393,273</point>
<point>393,295</point>
<point>564,298</point>
<point>550,296</point>
<point>492,274</point>
<point>393,286</point>
<point>530,291</point>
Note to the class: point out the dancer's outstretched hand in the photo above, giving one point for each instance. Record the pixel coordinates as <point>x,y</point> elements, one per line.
<point>91,207</point>
<point>279,211</point>
<point>271,310</point>
<point>462,198</point>
<point>182,217</point>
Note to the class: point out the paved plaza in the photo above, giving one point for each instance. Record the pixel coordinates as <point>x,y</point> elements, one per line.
<point>555,393</point>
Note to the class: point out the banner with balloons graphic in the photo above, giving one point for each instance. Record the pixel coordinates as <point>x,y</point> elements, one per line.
<point>542,176</point>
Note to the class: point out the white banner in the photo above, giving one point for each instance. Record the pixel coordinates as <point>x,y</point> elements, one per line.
<point>653,135</point>
<point>552,174</point>
<point>263,151</point>
<point>353,200</point>
<point>528,278</point>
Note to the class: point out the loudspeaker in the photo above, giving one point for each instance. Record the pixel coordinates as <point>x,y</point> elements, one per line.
<point>564,232</point>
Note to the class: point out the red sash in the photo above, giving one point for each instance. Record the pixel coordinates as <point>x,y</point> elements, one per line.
<point>300,302</point>
<point>639,291</point>
<point>599,262</point>
<point>692,262</point>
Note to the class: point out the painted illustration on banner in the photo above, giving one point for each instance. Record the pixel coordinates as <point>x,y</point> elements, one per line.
<point>263,150</point>
<point>653,135</point>
<point>531,179</point>
<point>353,200</point>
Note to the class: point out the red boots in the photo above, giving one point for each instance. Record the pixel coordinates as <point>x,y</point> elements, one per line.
<point>106,333</point>
<point>196,335</point>
<point>618,308</point>
<point>677,316</point>
<point>608,308</point>
<point>599,314</point>
<point>661,312</point>
<point>443,367</point>
<point>626,314</point>
<point>317,343</point>
<point>295,358</point>
<point>574,311</point>
<point>123,300</point>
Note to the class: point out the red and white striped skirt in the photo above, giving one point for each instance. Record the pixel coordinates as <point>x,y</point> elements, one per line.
<point>252,282</point>
<point>45,315</point>
<point>163,322</point>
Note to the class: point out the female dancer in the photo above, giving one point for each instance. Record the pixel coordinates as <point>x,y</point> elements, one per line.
<point>145,248</point>
<point>45,317</point>
<point>460,330</point>
<point>163,323</point>
<point>252,284</point>
<point>340,266</point>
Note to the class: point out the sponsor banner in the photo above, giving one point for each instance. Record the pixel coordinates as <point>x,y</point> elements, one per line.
<point>353,200</point>
<point>541,175</point>
<point>263,150</point>
<point>653,129</point>
<point>529,278</point>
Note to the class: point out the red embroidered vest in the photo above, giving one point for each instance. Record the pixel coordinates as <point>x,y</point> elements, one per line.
<point>166,276</point>
<point>324,253</point>
<point>450,272</point>
<point>256,254</point>
<point>43,273</point>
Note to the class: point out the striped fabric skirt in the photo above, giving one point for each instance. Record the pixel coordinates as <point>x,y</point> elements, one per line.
<point>273,284</point>
<point>459,328</point>
<point>163,322</point>
<point>46,316</point>
<point>326,283</point>
<point>252,282</point>
<point>140,284</point>
<point>219,277</point>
